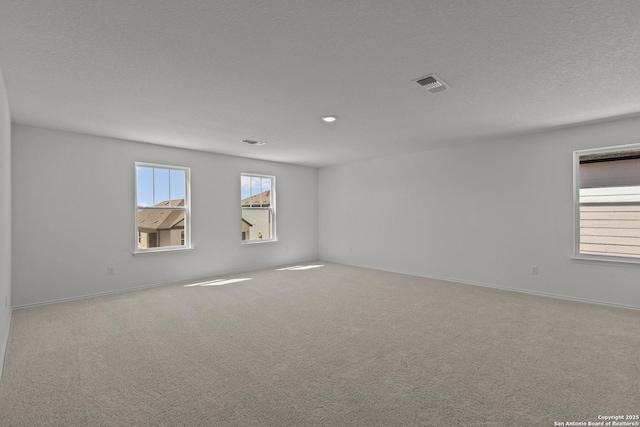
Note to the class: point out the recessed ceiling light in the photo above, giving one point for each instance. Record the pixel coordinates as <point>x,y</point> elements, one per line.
<point>251,142</point>
<point>329,119</point>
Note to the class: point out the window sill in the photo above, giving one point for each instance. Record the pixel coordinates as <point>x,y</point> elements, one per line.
<point>606,260</point>
<point>162,251</point>
<point>253,242</point>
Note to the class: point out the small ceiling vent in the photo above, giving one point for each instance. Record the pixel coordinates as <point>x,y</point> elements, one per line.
<point>432,83</point>
<point>251,142</point>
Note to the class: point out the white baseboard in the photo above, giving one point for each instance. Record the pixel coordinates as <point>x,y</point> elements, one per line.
<point>155,285</point>
<point>371,267</point>
<point>485,285</point>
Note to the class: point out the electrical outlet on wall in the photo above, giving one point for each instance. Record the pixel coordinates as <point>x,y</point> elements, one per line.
<point>110,271</point>
<point>534,271</point>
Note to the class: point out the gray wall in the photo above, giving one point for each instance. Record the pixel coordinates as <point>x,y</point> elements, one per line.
<point>73,210</point>
<point>5,221</point>
<point>484,213</point>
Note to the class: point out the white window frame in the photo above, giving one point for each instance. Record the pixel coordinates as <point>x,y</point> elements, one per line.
<point>186,208</point>
<point>272,208</point>
<point>577,255</point>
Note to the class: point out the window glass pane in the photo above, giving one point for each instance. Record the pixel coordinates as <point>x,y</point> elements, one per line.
<point>266,184</point>
<point>245,189</point>
<point>609,203</point>
<point>256,224</point>
<point>256,199</point>
<point>160,227</point>
<point>256,185</point>
<point>178,181</point>
<point>161,185</point>
<point>144,189</point>
<point>162,207</point>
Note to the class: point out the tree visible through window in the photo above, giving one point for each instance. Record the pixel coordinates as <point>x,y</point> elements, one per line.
<point>257,201</point>
<point>162,207</point>
<point>608,202</point>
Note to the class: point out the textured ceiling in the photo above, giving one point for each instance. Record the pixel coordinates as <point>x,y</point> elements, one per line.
<point>206,74</point>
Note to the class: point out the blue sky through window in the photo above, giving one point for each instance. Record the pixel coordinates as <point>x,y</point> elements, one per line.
<point>253,185</point>
<point>155,185</point>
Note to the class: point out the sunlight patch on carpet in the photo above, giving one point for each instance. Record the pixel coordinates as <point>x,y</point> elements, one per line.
<point>219,282</point>
<point>299,267</point>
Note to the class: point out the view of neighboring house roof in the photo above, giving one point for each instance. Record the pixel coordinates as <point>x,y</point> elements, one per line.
<point>259,200</point>
<point>161,219</point>
<point>175,202</point>
<point>247,222</point>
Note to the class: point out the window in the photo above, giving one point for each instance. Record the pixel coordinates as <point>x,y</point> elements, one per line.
<point>162,208</point>
<point>607,200</point>
<point>258,201</point>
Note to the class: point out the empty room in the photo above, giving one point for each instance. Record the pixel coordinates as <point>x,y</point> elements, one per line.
<point>319,213</point>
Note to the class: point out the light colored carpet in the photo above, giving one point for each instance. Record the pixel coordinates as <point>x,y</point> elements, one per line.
<point>331,346</point>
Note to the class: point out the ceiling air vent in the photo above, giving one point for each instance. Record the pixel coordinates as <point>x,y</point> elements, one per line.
<point>251,142</point>
<point>432,83</point>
